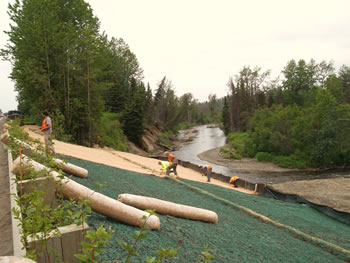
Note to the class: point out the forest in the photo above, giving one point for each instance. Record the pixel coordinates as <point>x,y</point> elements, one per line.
<point>300,121</point>
<point>92,85</point>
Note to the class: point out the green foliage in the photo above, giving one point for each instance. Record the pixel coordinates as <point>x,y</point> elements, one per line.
<point>95,242</point>
<point>139,235</point>
<point>59,130</point>
<point>239,141</point>
<point>111,132</point>
<point>133,118</point>
<point>38,218</point>
<point>226,116</point>
<point>264,157</point>
<point>299,137</point>
<point>165,138</point>
<point>230,154</point>
<point>206,255</point>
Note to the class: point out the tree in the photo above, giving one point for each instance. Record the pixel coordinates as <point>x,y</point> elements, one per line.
<point>54,47</point>
<point>226,116</point>
<point>133,118</point>
<point>344,76</point>
<point>335,87</point>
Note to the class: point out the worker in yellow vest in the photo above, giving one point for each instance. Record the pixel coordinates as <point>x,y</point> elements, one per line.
<point>163,165</point>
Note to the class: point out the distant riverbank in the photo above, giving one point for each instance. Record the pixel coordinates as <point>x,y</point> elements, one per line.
<point>244,165</point>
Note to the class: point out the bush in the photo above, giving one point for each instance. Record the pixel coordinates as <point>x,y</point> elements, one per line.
<point>230,154</point>
<point>264,157</point>
<point>284,161</point>
<point>111,132</point>
<point>239,141</point>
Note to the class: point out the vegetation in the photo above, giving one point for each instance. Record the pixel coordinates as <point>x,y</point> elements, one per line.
<point>302,122</point>
<point>40,217</point>
<point>63,64</point>
<point>92,85</point>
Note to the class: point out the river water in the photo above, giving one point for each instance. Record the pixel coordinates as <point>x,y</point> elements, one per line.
<point>210,138</point>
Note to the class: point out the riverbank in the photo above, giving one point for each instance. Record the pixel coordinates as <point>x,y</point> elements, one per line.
<point>245,165</point>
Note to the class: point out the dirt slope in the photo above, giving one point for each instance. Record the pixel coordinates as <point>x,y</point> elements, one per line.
<point>123,160</point>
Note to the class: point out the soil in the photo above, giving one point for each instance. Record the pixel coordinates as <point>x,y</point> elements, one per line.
<point>244,165</point>
<point>330,192</point>
<point>124,160</point>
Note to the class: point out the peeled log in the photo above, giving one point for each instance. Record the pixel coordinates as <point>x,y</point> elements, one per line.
<point>99,203</point>
<point>169,208</point>
<point>66,167</point>
<point>71,168</point>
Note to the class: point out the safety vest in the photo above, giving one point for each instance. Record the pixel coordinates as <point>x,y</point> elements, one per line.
<point>164,165</point>
<point>43,124</point>
<point>233,179</point>
<point>172,158</point>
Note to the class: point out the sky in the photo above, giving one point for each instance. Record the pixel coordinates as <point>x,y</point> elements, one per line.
<point>199,44</point>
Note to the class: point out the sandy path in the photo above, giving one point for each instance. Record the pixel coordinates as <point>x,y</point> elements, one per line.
<point>124,160</point>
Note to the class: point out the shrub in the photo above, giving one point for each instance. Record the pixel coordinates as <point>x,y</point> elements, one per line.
<point>111,132</point>
<point>264,157</point>
<point>239,141</point>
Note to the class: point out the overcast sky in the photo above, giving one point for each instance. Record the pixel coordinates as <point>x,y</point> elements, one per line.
<point>199,44</point>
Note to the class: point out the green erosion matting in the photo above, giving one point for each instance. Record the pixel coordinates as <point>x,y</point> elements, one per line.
<point>237,237</point>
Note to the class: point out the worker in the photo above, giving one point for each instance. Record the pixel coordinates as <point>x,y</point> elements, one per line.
<point>164,165</point>
<point>46,128</point>
<point>234,180</point>
<point>173,163</point>
<point>207,169</point>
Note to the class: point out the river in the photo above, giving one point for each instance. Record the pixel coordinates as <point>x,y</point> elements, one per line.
<point>210,138</point>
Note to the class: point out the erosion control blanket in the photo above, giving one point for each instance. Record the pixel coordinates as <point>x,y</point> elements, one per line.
<point>169,208</point>
<point>99,202</point>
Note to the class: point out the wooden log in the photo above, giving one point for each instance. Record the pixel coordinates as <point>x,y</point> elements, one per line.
<point>99,203</point>
<point>66,167</point>
<point>169,208</point>
<point>71,168</point>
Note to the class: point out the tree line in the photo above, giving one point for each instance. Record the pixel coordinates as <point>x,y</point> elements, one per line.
<point>300,121</point>
<point>91,84</point>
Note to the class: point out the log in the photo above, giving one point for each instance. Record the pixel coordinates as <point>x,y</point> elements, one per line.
<point>66,167</point>
<point>99,203</point>
<point>71,168</point>
<point>169,208</point>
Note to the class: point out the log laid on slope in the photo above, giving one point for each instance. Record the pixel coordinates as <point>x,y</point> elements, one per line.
<point>66,167</point>
<point>99,203</point>
<point>169,208</point>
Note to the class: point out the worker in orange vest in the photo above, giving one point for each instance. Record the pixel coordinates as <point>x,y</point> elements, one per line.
<point>233,180</point>
<point>173,163</point>
<point>46,128</point>
<point>207,169</point>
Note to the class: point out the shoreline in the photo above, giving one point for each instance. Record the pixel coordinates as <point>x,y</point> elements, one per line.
<point>245,165</point>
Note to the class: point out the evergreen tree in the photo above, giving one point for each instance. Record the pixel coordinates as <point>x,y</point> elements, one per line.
<point>134,116</point>
<point>226,116</point>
